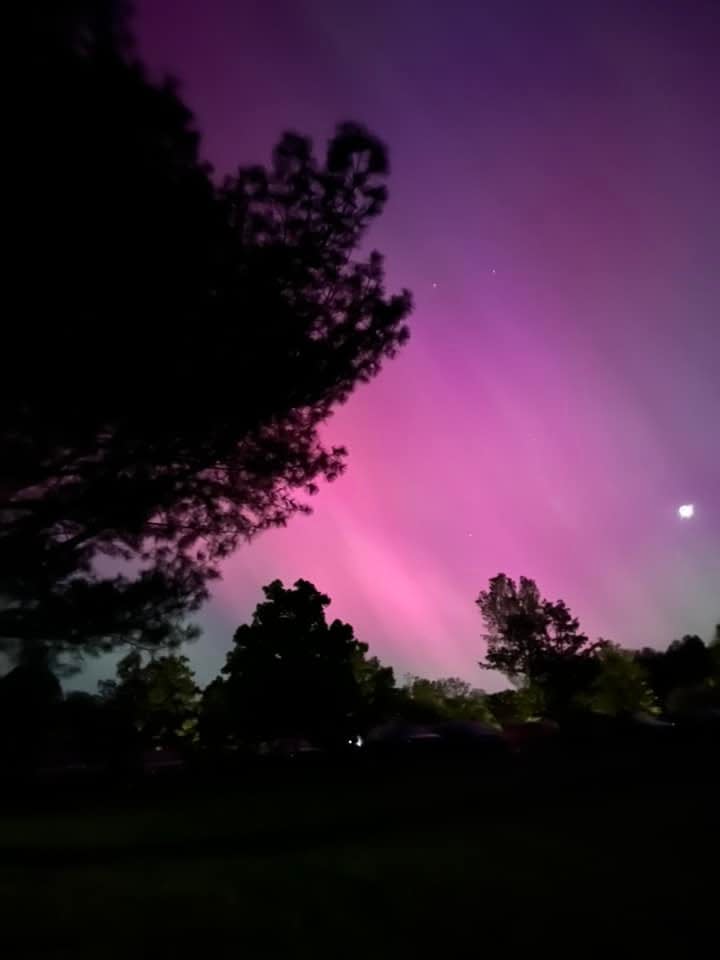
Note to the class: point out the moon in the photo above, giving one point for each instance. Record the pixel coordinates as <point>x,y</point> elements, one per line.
<point>686,511</point>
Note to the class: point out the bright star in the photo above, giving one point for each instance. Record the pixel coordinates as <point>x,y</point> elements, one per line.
<point>686,511</point>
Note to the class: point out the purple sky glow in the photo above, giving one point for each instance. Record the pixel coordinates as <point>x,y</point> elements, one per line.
<point>555,208</point>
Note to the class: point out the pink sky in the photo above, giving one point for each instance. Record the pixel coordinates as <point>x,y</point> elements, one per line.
<point>555,209</point>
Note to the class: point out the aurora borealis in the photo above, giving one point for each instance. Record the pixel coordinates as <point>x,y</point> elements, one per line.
<point>555,209</point>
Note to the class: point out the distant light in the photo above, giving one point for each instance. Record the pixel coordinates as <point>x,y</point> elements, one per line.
<point>493,271</point>
<point>686,511</point>
<point>434,286</point>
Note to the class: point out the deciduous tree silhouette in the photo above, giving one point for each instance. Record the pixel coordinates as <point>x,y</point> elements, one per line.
<point>621,687</point>
<point>29,695</point>
<point>215,727</point>
<point>516,706</point>
<point>159,696</point>
<point>377,693</point>
<point>175,344</point>
<point>447,698</point>
<point>290,673</point>
<point>535,642</point>
<point>687,663</point>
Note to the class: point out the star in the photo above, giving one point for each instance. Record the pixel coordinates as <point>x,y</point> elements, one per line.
<point>686,511</point>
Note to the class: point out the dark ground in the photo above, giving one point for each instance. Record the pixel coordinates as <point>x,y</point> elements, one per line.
<point>346,863</point>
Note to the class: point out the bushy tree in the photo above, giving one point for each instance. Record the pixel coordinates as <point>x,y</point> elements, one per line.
<point>377,693</point>
<point>29,695</point>
<point>686,664</point>
<point>215,729</point>
<point>176,344</point>
<point>621,686</point>
<point>690,673</point>
<point>516,706</point>
<point>158,694</point>
<point>535,642</point>
<point>447,698</point>
<point>290,673</point>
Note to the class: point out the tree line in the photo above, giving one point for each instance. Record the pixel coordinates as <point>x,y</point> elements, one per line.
<point>177,341</point>
<point>291,673</point>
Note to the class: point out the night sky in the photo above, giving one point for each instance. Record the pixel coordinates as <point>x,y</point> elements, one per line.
<point>555,209</point>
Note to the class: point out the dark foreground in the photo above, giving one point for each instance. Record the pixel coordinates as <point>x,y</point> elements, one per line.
<point>393,864</point>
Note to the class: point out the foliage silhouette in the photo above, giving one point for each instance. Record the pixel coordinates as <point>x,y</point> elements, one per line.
<point>515,706</point>
<point>182,343</point>
<point>29,695</point>
<point>449,698</point>
<point>290,673</point>
<point>686,676</point>
<point>160,696</point>
<point>214,725</point>
<point>686,663</point>
<point>621,687</point>
<point>378,697</point>
<point>536,643</point>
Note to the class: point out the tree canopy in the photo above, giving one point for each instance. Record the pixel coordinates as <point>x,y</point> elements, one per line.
<point>177,342</point>
<point>686,676</point>
<point>447,698</point>
<point>687,662</point>
<point>621,686</point>
<point>29,695</point>
<point>535,642</point>
<point>376,693</point>
<point>516,706</point>
<point>290,672</point>
<point>293,674</point>
<point>158,695</point>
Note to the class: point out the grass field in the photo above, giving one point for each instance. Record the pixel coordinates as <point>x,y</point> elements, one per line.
<point>323,866</point>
